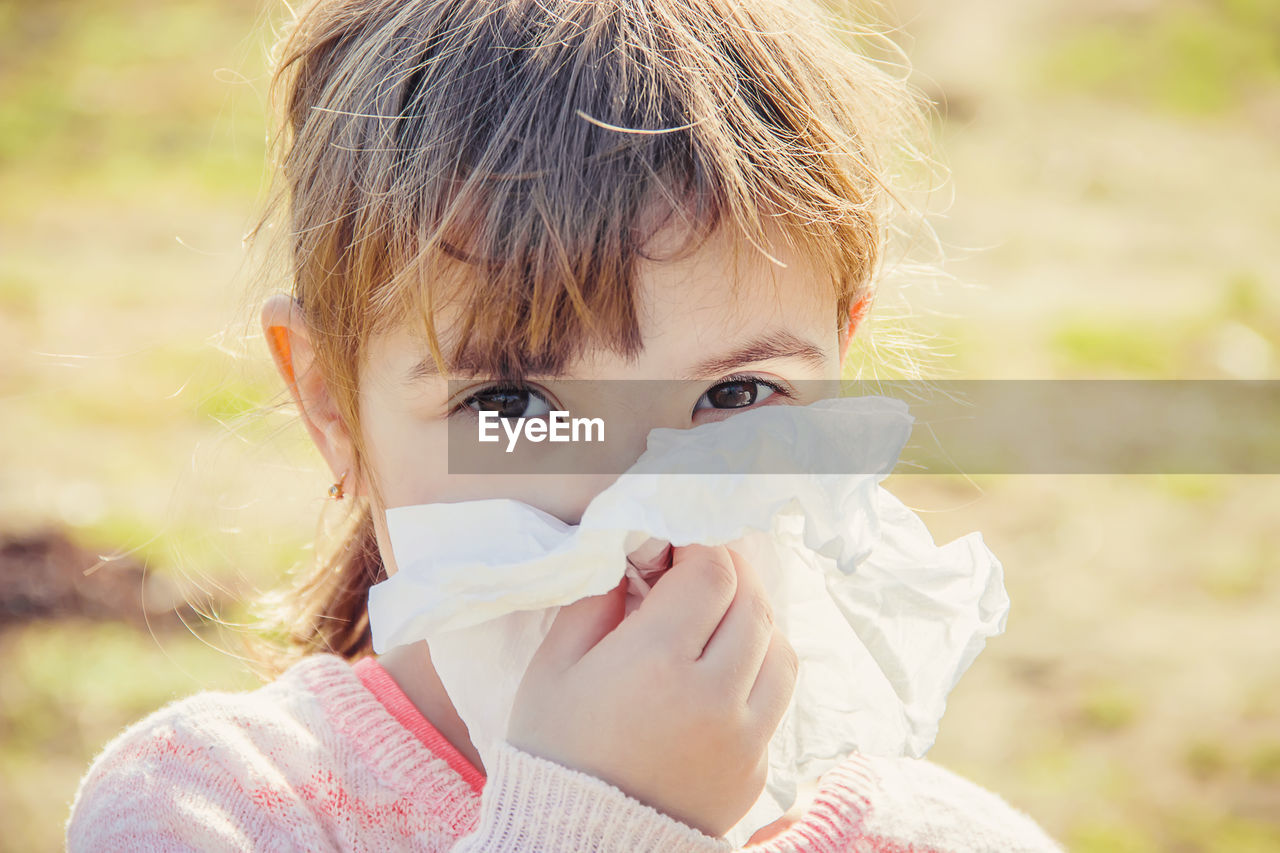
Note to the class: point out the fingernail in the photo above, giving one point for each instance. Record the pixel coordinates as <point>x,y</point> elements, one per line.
<point>653,555</point>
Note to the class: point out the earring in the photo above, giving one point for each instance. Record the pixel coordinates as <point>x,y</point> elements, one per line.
<point>335,491</point>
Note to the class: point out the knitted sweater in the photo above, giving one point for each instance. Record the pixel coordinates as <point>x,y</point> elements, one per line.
<point>332,756</point>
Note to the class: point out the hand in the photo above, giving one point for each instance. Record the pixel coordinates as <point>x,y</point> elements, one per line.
<point>676,703</point>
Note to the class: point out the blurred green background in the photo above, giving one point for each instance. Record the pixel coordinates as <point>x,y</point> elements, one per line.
<point>1116,177</point>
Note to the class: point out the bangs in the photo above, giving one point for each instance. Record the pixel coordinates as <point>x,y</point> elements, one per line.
<point>531,280</point>
<point>515,160</point>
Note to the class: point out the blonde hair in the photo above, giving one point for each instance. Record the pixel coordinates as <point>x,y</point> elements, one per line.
<point>515,157</point>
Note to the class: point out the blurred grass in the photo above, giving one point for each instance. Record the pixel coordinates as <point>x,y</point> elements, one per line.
<point>131,155</point>
<point>106,96</point>
<point>1133,704</point>
<point>1187,56</point>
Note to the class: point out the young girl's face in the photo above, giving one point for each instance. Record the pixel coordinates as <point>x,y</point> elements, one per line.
<point>775,328</point>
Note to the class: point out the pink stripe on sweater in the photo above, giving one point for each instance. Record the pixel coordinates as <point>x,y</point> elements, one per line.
<point>379,682</point>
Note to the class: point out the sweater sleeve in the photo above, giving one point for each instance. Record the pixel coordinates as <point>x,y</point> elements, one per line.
<point>873,803</point>
<point>915,801</point>
<point>150,791</point>
<point>530,803</point>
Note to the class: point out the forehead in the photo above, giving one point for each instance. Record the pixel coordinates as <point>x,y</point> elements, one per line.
<point>729,276</point>
<point>689,298</point>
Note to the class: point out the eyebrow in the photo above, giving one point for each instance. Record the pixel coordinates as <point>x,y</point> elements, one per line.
<point>773,345</point>
<point>779,344</point>
<point>467,364</point>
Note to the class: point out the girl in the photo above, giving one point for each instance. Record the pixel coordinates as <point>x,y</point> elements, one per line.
<point>483,201</point>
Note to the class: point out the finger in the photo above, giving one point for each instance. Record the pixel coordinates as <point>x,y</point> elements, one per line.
<point>647,562</point>
<point>688,602</point>
<point>772,691</point>
<point>737,649</point>
<point>652,555</point>
<point>577,628</point>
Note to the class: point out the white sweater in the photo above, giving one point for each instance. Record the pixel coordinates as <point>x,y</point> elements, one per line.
<point>332,756</point>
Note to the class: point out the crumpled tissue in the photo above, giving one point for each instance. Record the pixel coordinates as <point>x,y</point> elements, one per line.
<point>884,621</point>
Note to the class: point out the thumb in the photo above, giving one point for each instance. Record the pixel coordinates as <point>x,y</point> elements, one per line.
<point>577,628</point>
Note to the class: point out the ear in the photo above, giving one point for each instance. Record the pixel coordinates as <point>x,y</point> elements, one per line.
<point>289,340</point>
<point>856,314</point>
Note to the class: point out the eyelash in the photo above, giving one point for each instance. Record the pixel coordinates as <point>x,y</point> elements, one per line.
<point>513,385</point>
<point>777,387</point>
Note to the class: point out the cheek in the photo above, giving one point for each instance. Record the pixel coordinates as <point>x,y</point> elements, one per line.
<point>408,457</point>
<point>406,453</point>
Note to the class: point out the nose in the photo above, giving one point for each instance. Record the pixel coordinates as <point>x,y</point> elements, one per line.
<point>596,468</point>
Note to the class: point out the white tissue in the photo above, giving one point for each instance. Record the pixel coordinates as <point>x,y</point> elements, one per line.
<point>884,622</point>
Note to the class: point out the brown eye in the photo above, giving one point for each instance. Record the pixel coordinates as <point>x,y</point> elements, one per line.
<point>735,394</point>
<point>509,402</point>
<point>732,395</point>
